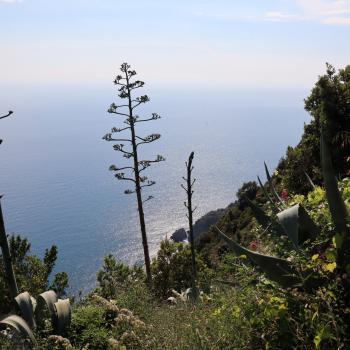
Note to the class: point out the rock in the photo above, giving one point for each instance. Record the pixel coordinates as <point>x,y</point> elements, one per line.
<point>201,226</point>
<point>179,235</point>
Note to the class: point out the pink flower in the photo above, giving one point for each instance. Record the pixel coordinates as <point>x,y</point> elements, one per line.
<point>253,245</point>
<point>323,256</point>
<point>284,194</point>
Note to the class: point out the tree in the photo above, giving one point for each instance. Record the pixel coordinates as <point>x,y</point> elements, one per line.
<point>126,86</point>
<point>32,273</point>
<point>329,106</point>
<point>189,191</point>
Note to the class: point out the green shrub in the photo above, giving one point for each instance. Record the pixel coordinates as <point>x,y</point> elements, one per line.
<point>116,276</point>
<point>32,273</point>
<point>171,269</point>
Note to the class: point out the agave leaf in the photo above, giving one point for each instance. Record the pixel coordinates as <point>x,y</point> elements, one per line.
<point>46,300</point>
<point>25,304</point>
<point>276,269</point>
<point>297,224</point>
<point>263,219</point>
<point>20,325</point>
<point>63,315</point>
<point>336,204</point>
<point>310,181</point>
<point>272,187</point>
<point>268,197</point>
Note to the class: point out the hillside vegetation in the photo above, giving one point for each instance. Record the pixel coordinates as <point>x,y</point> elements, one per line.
<point>273,272</point>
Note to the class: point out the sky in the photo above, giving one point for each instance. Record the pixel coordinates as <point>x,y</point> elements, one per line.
<point>181,43</point>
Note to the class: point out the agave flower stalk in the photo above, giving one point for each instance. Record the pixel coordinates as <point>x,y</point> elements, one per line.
<point>129,147</point>
<point>10,275</point>
<point>189,191</point>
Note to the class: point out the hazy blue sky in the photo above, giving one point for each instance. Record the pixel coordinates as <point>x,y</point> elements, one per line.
<point>229,42</point>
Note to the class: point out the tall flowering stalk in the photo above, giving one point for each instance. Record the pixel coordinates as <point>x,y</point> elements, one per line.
<point>126,86</point>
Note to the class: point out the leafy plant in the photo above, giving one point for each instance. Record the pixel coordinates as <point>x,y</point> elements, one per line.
<point>59,310</point>
<point>32,273</point>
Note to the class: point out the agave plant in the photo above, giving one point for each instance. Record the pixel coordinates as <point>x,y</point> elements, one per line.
<point>293,222</point>
<point>33,314</point>
<point>337,207</point>
<point>299,227</point>
<point>276,269</point>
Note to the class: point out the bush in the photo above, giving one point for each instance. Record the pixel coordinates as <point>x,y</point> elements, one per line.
<point>32,273</point>
<point>171,269</point>
<point>116,276</point>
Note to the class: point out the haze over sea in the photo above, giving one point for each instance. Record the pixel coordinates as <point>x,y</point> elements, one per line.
<point>54,164</point>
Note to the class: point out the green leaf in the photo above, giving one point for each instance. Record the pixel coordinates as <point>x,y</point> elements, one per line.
<point>338,240</point>
<point>272,187</point>
<point>263,219</point>
<point>310,181</point>
<point>336,204</point>
<point>268,197</point>
<point>276,269</point>
<point>20,325</point>
<point>317,340</point>
<point>297,224</point>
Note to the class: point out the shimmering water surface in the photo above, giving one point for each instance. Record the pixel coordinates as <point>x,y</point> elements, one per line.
<point>54,164</point>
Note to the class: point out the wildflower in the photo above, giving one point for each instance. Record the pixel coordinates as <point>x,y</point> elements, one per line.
<point>323,256</point>
<point>253,245</point>
<point>284,194</point>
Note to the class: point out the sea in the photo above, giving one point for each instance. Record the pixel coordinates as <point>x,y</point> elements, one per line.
<point>54,175</point>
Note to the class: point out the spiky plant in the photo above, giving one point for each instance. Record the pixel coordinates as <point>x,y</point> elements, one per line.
<point>296,224</point>
<point>33,313</point>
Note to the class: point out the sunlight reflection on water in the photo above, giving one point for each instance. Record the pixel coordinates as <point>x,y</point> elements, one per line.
<point>58,189</point>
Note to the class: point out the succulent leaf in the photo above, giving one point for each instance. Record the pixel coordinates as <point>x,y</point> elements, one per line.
<point>263,219</point>
<point>336,204</point>
<point>297,224</point>
<point>276,269</point>
<point>63,315</point>
<point>268,197</point>
<point>310,181</point>
<point>25,304</point>
<point>46,300</point>
<point>272,187</point>
<point>20,325</point>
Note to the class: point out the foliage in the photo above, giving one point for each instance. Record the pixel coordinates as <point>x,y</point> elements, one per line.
<point>116,276</point>
<point>172,269</point>
<point>329,106</point>
<point>248,190</point>
<point>32,273</point>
